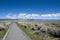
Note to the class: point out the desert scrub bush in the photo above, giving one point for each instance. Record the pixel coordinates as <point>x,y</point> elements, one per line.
<point>2,32</point>
<point>41,33</point>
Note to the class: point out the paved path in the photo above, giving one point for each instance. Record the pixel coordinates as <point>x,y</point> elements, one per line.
<point>16,34</point>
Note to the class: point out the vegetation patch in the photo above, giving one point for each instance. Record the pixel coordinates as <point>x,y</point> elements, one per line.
<point>2,33</point>
<point>3,29</point>
<point>35,35</point>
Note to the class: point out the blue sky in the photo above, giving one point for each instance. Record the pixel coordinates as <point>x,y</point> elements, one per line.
<point>30,9</point>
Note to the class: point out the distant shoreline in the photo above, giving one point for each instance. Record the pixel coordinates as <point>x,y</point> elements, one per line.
<point>37,20</point>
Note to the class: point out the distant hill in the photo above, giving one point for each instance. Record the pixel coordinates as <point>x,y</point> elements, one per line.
<point>43,20</point>
<point>38,20</point>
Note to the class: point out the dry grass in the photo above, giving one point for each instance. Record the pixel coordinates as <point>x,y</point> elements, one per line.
<point>33,36</point>
<point>3,29</point>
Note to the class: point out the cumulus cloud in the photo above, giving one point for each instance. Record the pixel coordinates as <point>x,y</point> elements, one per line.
<point>34,16</point>
<point>9,16</point>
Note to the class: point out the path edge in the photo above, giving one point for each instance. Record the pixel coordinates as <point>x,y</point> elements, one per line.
<point>26,35</point>
<point>5,34</point>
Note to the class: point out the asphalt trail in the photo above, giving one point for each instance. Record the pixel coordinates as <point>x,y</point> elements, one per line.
<point>16,34</point>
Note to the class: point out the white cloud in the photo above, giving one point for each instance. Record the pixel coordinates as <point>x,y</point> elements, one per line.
<point>9,16</point>
<point>21,15</point>
<point>34,16</point>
